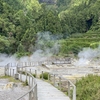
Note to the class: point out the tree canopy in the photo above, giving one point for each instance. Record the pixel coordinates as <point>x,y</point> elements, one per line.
<point>21,20</point>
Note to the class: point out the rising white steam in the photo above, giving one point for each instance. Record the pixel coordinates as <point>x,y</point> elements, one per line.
<point>5,59</point>
<point>46,46</point>
<point>87,56</point>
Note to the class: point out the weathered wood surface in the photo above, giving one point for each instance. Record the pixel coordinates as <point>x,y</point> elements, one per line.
<point>48,92</point>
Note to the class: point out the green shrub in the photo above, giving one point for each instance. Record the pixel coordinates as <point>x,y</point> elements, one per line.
<point>88,88</point>
<point>45,76</point>
<point>25,83</point>
<point>34,75</point>
<point>23,73</point>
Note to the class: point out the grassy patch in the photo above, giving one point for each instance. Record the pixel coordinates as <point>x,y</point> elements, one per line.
<point>11,79</point>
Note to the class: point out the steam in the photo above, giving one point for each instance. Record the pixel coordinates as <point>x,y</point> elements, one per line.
<point>46,46</point>
<point>88,55</point>
<point>5,59</point>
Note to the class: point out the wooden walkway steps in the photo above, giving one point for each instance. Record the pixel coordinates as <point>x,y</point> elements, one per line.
<point>48,92</point>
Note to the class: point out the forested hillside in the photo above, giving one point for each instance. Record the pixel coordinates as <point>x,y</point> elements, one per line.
<point>21,20</point>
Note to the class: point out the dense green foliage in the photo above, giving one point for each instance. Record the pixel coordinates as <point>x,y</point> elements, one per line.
<point>81,16</point>
<point>88,88</point>
<point>76,42</point>
<point>21,20</point>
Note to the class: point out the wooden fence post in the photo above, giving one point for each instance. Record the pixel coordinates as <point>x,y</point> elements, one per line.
<point>30,70</point>
<point>13,72</point>
<point>48,77</point>
<point>10,71</point>
<point>29,82</point>
<point>74,93</point>
<point>35,93</point>
<point>36,73</point>
<point>5,71</point>
<point>30,97</point>
<point>20,76</point>
<point>42,75</point>
<point>54,80</point>
<point>26,76</point>
<point>68,88</point>
<point>60,83</point>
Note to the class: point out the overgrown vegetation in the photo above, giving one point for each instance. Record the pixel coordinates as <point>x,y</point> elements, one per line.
<point>88,88</point>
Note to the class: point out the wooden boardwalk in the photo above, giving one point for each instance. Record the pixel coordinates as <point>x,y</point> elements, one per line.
<point>48,92</point>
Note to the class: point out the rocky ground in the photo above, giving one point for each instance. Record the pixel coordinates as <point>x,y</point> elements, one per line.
<point>8,92</point>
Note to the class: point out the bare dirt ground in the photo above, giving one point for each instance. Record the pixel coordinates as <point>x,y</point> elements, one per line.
<point>12,93</point>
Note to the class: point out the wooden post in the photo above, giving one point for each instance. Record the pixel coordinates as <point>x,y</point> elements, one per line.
<point>54,80</point>
<point>30,70</point>
<point>17,69</point>
<point>26,64</point>
<point>5,70</point>
<point>48,77</point>
<point>25,69</point>
<point>32,81</point>
<point>42,75</point>
<point>29,82</point>
<point>13,72</point>
<point>20,76</point>
<point>10,71</point>
<point>30,98</point>
<point>35,92</point>
<point>68,88</point>
<point>36,73</point>
<point>74,93</point>
<point>60,83</point>
<point>22,69</point>
<point>26,76</point>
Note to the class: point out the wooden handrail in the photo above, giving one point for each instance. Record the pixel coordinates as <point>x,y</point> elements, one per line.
<point>33,85</point>
<point>69,84</point>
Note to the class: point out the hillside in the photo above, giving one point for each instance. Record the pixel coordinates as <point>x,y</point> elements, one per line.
<point>22,20</point>
<point>81,16</point>
<point>76,42</point>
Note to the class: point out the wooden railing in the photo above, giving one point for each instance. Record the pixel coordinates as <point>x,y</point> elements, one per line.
<point>18,74</point>
<point>58,81</point>
<point>54,79</point>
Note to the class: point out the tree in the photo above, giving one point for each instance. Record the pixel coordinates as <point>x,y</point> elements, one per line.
<point>4,44</point>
